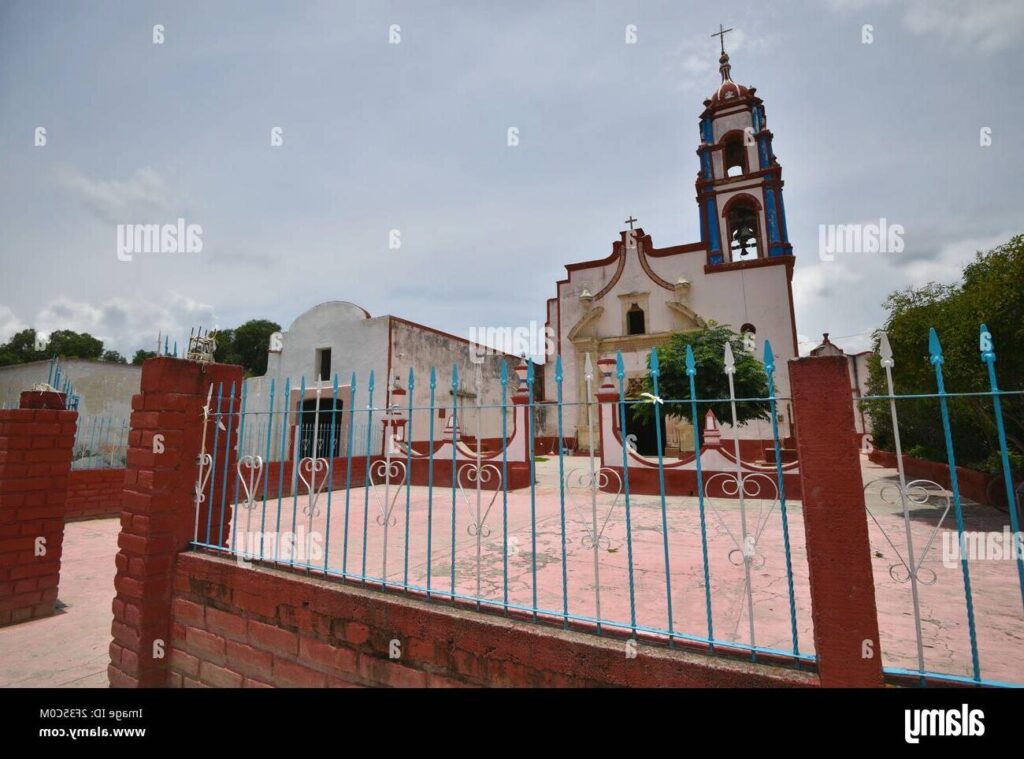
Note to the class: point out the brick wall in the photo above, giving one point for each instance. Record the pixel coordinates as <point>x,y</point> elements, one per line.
<point>94,493</point>
<point>35,458</point>
<point>234,626</point>
<point>158,513</point>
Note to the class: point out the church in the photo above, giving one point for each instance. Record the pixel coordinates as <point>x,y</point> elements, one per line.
<point>740,274</point>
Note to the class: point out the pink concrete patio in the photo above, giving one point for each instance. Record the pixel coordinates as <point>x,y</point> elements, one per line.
<point>71,648</point>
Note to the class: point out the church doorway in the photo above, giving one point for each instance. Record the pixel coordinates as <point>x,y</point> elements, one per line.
<point>647,436</point>
<point>328,428</point>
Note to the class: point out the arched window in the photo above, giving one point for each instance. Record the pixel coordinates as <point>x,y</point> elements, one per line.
<point>734,156</point>
<point>635,320</point>
<point>749,334</point>
<point>744,241</point>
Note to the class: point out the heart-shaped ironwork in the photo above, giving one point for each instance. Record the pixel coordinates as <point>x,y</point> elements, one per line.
<point>755,486</point>
<point>309,470</point>
<point>918,493</point>
<point>387,473</point>
<point>592,483</point>
<point>250,473</point>
<point>481,475</point>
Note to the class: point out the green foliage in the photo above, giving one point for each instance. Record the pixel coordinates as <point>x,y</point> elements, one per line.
<point>67,343</point>
<point>710,382</point>
<point>246,345</point>
<point>141,355</point>
<point>113,357</point>
<point>990,293</point>
<point>21,349</point>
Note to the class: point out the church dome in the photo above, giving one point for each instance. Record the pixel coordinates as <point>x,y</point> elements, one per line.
<point>728,90</point>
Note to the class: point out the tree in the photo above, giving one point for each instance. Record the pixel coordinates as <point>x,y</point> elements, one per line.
<point>67,343</point>
<point>251,342</point>
<point>989,293</point>
<point>246,345</point>
<point>21,349</point>
<point>710,381</point>
<point>113,357</point>
<point>141,355</point>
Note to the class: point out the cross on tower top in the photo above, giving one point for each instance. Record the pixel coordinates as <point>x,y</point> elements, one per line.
<point>721,36</point>
<point>631,221</point>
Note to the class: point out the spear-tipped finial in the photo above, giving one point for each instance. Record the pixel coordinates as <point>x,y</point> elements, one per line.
<point>935,347</point>
<point>986,345</point>
<point>730,360</point>
<point>558,369</point>
<point>655,367</point>
<point>588,368</point>
<point>412,380</point>
<point>620,367</point>
<point>769,357</point>
<point>504,373</point>
<point>885,352</point>
<point>691,365</point>
<point>433,378</point>
<point>455,377</point>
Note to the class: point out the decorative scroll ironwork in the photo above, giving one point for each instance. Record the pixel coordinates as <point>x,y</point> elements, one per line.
<point>914,493</point>
<point>605,481</point>
<point>250,474</point>
<point>470,476</point>
<point>756,485</point>
<point>310,471</point>
<point>384,473</point>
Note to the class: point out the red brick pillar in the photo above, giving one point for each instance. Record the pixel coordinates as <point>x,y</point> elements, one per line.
<point>835,524</point>
<point>35,462</point>
<point>158,512</point>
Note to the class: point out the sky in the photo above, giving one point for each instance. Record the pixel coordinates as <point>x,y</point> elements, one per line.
<point>879,110</point>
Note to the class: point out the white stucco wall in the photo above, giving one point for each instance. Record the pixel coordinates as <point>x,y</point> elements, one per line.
<point>105,389</point>
<point>759,296</point>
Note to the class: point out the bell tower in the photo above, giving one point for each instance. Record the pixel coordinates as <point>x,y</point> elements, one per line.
<point>739,187</point>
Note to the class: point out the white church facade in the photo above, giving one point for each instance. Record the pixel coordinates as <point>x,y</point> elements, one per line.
<point>739,274</point>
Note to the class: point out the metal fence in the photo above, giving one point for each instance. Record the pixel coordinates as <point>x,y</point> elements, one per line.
<point>722,567</point>
<point>101,442</point>
<point>906,543</point>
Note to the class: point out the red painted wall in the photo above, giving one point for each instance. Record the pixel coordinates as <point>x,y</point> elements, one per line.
<point>236,627</point>
<point>94,493</point>
<point>972,483</point>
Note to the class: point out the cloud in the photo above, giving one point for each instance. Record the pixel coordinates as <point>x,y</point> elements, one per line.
<point>9,324</point>
<point>694,61</point>
<point>986,26</point>
<point>126,324</point>
<point>121,201</point>
<point>946,264</point>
